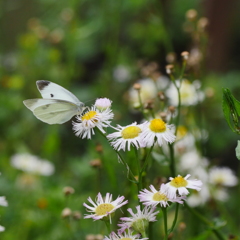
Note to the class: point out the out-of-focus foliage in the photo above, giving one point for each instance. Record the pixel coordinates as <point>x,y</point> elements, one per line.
<point>94,49</point>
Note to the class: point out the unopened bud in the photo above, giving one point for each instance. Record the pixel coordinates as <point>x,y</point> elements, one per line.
<point>182,226</point>
<point>191,14</point>
<point>171,57</point>
<point>66,212</point>
<point>96,163</point>
<point>68,190</point>
<point>163,116</point>
<point>99,237</point>
<point>202,23</point>
<point>137,86</point>
<point>77,215</point>
<point>99,148</point>
<point>169,68</point>
<point>185,55</point>
<point>161,96</point>
<point>171,109</point>
<point>90,237</point>
<point>149,105</point>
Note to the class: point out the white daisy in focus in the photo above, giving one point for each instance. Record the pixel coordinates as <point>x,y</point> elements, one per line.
<point>222,176</point>
<point>32,164</point>
<point>189,93</point>
<point>159,131</point>
<point>179,185</point>
<point>125,137</point>
<point>139,221</point>
<point>103,207</point>
<point>124,236</point>
<point>103,103</point>
<point>155,197</point>
<point>84,127</point>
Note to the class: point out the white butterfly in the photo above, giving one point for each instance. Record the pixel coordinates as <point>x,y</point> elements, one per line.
<point>57,106</point>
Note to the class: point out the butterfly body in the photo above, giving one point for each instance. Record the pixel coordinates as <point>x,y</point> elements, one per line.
<point>57,106</point>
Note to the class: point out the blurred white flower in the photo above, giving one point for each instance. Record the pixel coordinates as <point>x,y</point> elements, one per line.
<point>199,198</point>
<point>121,73</point>
<point>2,229</point>
<point>189,93</point>
<point>124,236</point>
<point>3,201</point>
<point>222,176</point>
<point>220,194</point>
<point>32,164</point>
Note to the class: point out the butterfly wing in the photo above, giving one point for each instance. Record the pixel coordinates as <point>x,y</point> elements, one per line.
<point>53,111</point>
<point>50,90</point>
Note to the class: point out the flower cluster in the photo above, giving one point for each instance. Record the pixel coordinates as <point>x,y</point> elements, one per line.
<point>173,191</point>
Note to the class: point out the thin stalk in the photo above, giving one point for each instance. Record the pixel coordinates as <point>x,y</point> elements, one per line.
<point>108,225</point>
<point>175,218</point>
<point>164,210</point>
<point>172,160</point>
<point>138,169</point>
<point>122,160</point>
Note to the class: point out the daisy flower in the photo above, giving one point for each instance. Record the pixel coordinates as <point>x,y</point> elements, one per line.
<point>180,185</point>
<point>222,176</point>
<point>87,121</point>
<point>103,207</point>
<point>103,103</point>
<point>139,221</point>
<point>160,131</point>
<point>124,236</point>
<point>155,197</point>
<point>127,136</point>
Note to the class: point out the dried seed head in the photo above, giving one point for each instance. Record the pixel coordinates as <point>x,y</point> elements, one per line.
<point>68,190</point>
<point>191,14</point>
<point>161,96</point>
<point>90,237</point>
<point>66,212</point>
<point>149,105</point>
<point>163,116</point>
<point>77,215</point>
<point>202,24</point>
<point>96,163</point>
<point>99,148</point>
<point>137,86</point>
<point>185,55</point>
<point>182,226</point>
<point>171,109</point>
<point>169,68</point>
<point>171,57</point>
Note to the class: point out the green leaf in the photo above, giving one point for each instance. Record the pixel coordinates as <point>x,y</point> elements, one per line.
<point>238,150</point>
<point>231,110</point>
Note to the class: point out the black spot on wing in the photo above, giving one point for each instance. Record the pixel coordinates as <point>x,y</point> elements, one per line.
<point>51,95</point>
<point>42,84</point>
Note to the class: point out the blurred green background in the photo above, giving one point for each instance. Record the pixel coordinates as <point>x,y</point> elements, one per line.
<point>98,49</point>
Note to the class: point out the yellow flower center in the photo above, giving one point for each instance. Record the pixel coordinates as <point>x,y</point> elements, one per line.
<point>89,115</point>
<point>181,131</point>
<point>178,182</point>
<point>125,238</point>
<point>159,197</point>
<point>104,208</point>
<point>157,125</point>
<point>131,132</point>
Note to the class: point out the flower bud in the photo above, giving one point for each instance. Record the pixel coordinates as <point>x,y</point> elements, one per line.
<point>185,55</point>
<point>191,14</point>
<point>77,215</point>
<point>68,190</point>
<point>66,212</point>
<point>137,86</point>
<point>96,163</point>
<point>169,69</point>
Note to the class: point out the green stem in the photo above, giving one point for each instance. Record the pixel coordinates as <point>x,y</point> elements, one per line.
<point>175,218</point>
<point>138,168</point>
<point>122,160</point>
<point>164,210</point>
<point>204,220</point>
<point>172,160</point>
<point>108,225</point>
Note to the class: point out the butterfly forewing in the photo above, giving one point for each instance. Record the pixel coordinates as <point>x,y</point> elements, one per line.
<point>50,90</point>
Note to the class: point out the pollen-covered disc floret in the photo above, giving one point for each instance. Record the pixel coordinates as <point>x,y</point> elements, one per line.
<point>103,207</point>
<point>87,121</point>
<point>160,131</point>
<point>124,236</point>
<point>103,103</point>
<point>127,136</point>
<point>179,185</point>
<point>140,220</point>
<point>155,197</point>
